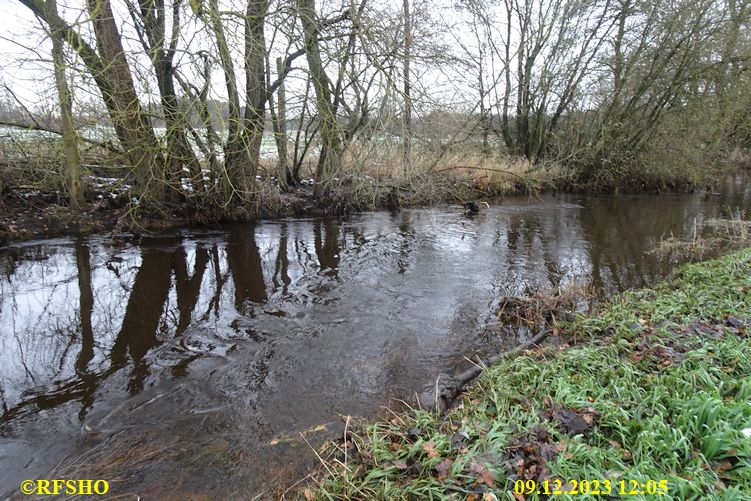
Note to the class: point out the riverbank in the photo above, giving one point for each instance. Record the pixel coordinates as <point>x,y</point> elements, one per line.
<point>28,212</point>
<point>33,211</point>
<point>648,394</point>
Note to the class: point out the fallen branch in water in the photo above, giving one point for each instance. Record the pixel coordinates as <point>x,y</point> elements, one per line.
<point>447,388</point>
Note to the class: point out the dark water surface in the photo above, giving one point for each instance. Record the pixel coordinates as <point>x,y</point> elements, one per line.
<point>179,364</point>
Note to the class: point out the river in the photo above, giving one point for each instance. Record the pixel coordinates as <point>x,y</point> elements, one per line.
<point>185,366</point>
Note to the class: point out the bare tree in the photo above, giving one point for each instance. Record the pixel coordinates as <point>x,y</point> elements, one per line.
<point>407,121</point>
<point>71,158</point>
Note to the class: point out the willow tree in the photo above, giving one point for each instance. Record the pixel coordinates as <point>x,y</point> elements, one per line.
<point>329,160</point>
<point>245,128</point>
<point>149,19</point>
<point>109,68</point>
<point>407,82</point>
<point>71,160</point>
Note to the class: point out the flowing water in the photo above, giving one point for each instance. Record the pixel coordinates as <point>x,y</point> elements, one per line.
<point>191,362</point>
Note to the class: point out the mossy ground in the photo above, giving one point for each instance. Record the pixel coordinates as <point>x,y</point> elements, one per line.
<point>656,385</point>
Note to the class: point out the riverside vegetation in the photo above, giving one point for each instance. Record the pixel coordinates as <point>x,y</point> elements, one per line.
<point>654,385</point>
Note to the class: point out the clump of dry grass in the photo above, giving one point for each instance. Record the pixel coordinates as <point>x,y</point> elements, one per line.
<point>694,249</point>
<point>736,228</point>
<point>379,177</point>
<point>542,307</point>
<point>740,157</point>
<point>489,174</point>
<point>709,238</point>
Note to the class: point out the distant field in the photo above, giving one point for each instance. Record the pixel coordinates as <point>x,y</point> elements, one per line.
<point>14,140</point>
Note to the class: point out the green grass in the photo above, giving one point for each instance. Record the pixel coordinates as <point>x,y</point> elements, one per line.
<point>664,375</point>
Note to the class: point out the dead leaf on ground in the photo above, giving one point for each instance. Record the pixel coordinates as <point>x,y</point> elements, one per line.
<point>484,476</point>
<point>429,448</point>
<point>722,467</point>
<point>400,464</point>
<point>444,469</point>
<point>574,421</point>
<point>527,455</point>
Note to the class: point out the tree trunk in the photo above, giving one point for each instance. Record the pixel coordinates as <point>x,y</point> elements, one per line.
<point>280,130</point>
<point>407,125</point>
<point>255,82</point>
<point>128,117</point>
<point>506,131</point>
<point>235,153</point>
<point>112,76</point>
<point>329,161</point>
<point>161,53</point>
<point>71,163</point>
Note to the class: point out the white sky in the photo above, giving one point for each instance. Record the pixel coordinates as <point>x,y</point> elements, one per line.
<point>26,69</point>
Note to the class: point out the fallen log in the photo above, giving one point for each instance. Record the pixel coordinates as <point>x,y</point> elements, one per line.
<point>442,395</point>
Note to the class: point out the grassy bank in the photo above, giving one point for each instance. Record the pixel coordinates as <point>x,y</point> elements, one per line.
<point>654,386</point>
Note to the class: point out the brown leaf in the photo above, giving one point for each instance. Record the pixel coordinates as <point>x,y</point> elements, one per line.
<point>531,472</point>
<point>518,497</point>
<point>541,433</point>
<point>429,448</point>
<point>400,464</point>
<point>444,469</point>
<point>308,493</point>
<point>573,421</point>
<point>484,476</point>
<point>722,467</point>
<point>548,452</point>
